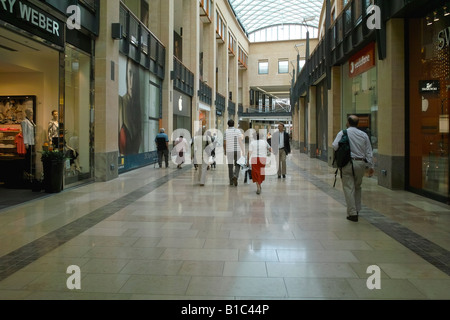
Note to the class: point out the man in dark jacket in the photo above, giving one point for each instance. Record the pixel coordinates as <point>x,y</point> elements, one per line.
<point>162,145</point>
<point>282,148</point>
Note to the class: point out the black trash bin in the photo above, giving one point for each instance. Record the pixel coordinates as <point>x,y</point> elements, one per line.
<point>53,175</point>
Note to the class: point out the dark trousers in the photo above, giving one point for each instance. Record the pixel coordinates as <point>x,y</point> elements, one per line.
<point>29,160</point>
<point>163,154</point>
<point>233,168</point>
<point>248,175</point>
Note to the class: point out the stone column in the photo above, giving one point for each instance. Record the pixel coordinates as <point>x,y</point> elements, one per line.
<point>222,72</point>
<point>334,110</point>
<point>209,58</point>
<point>191,47</point>
<point>312,122</point>
<point>166,34</point>
<point>296,124</point>
<point>391,109</point>
<point>106,94</point>
<point>301,128</point>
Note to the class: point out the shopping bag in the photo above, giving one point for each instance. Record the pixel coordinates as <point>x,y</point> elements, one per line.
<point>242,161</point>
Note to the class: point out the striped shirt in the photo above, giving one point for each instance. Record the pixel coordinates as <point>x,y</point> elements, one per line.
<point>232,137</point>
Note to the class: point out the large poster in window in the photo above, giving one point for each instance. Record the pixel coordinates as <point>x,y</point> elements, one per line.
<point>139,115</point>
<point>130,113</point>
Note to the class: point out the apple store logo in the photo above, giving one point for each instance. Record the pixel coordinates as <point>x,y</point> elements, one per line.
<point>180,104</point>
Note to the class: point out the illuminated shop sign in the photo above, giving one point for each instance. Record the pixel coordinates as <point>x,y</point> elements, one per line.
<point>29,17</point>
<point>362,61</point>
<point>429,86</point>
<point>444,38</point>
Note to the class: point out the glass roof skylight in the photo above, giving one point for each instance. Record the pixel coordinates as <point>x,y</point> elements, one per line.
<point>259,14</point>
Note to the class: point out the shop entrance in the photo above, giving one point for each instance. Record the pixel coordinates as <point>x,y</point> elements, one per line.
<point>429,106</point>
<point>29,80</point>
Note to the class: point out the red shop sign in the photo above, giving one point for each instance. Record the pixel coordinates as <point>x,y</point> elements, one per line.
<point>362,61</point>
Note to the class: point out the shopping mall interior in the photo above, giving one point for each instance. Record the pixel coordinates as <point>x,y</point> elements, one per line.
<point>89,210</point>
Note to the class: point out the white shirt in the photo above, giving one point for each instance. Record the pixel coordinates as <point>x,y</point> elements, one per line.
<point>28,131</point>
<point>360,145</point>
<point>181,145</point>
<point>233,137</point>
<point>258,149</point>
<point>281,143</point>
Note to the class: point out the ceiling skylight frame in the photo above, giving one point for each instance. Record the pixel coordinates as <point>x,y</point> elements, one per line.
<point>256,15</point>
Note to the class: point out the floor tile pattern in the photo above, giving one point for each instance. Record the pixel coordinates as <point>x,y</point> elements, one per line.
<point>155,234</point>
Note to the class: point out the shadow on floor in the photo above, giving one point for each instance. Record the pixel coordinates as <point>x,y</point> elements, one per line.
<point>13,197</point>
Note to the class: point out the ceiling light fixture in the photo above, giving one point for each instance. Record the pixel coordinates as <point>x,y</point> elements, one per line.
<point>446,12</point>
<point>429,22</point>
<point>436,18</point>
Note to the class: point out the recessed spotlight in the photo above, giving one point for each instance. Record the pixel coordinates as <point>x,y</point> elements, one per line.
<point>436,18</point>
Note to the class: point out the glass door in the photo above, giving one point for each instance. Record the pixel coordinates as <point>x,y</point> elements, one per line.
<point>77,116</point>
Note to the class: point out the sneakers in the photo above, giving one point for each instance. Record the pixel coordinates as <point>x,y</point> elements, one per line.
<point>353,218</point>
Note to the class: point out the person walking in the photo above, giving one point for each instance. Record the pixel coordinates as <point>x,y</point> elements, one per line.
<point>353,172</point>
<point>257,155</point>
<point>213,150</point>
<point>281,148</point>
<point>208,146</point>
<point>180,149</point>
<point>162,145</point>
<point>234,149</point>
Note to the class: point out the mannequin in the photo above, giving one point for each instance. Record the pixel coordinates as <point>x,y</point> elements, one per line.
<point>28,131</point>
<point>53,129</point>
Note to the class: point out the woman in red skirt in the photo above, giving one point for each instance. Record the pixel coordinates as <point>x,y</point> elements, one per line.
<point>258,156</point>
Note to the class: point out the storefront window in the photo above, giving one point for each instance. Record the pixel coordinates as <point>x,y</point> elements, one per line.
<point>429,107</point>
<point>360,97</point>
<point>152,112</point>
<point>182,111</point>
<point>204,118</point>
<point>139,114</point>
<point>76,120</point>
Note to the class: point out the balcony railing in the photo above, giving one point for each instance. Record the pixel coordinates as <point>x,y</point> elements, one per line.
<point>205,93</point>
<point>140,44</point>
<point>183,78</point>
<point>220,102</point>
<point>231,107</point>
<point>205,10</point>
<point>243,59</point>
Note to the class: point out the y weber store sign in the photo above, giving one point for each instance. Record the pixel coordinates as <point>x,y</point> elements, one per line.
<point>28,17</point>
<point>362,61</point>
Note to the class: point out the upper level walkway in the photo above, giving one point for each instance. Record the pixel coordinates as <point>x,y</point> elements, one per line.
<point>156,234</point>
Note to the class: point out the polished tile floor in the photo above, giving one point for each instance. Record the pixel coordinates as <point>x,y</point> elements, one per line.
<point>156,234</point>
